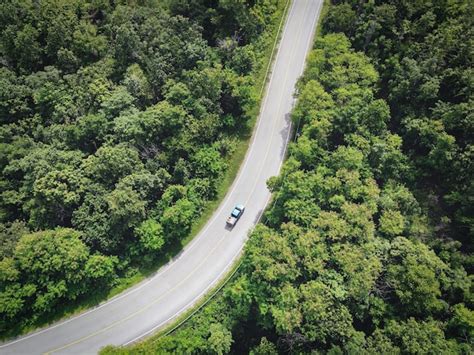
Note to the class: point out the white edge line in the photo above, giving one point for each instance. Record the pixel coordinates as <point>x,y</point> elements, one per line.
<point>242,167</point>
<point>226,268</point>
<point>273,49</point>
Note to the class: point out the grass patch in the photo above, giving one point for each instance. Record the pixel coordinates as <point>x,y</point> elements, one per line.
<point>322,15</point>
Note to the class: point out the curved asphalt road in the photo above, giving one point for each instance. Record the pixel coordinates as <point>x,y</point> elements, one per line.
<point>178,285</point>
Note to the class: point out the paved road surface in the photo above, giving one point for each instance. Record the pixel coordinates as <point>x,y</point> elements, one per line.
<point>158,300</point>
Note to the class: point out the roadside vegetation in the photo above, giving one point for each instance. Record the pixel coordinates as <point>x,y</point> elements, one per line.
<point>367,246</point>
<point>118,124</point>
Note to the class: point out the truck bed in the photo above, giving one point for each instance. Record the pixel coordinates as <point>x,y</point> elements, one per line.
<point>231,221</point>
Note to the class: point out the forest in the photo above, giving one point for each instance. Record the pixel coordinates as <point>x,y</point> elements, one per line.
<point>366,247</point>
<point>118,119</point>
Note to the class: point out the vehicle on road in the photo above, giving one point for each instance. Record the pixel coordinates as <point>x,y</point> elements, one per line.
<point>235,215</point>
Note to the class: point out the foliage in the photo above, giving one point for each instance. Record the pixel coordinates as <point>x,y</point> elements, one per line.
<point>220,339</point>
<point>150,234</point>
<point>105,107</point>
<point>348,259</point>
<point>48,268</point>
<point>423,51</point>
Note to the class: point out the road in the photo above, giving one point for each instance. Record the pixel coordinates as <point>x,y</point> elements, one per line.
<point>178,285</point>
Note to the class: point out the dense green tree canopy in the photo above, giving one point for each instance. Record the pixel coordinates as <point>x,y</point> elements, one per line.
<point>47,268</point>
<point>117,120</point>
<point>423,51</point>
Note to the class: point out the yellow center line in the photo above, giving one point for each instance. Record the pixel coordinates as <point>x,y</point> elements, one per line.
<point>206,258</point>
<point>300,28</point>
<point>141,309</point>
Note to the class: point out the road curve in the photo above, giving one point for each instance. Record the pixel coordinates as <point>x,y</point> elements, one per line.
<point>178,285</point>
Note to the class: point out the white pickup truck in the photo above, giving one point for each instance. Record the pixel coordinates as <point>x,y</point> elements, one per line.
<point>237,212</point>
